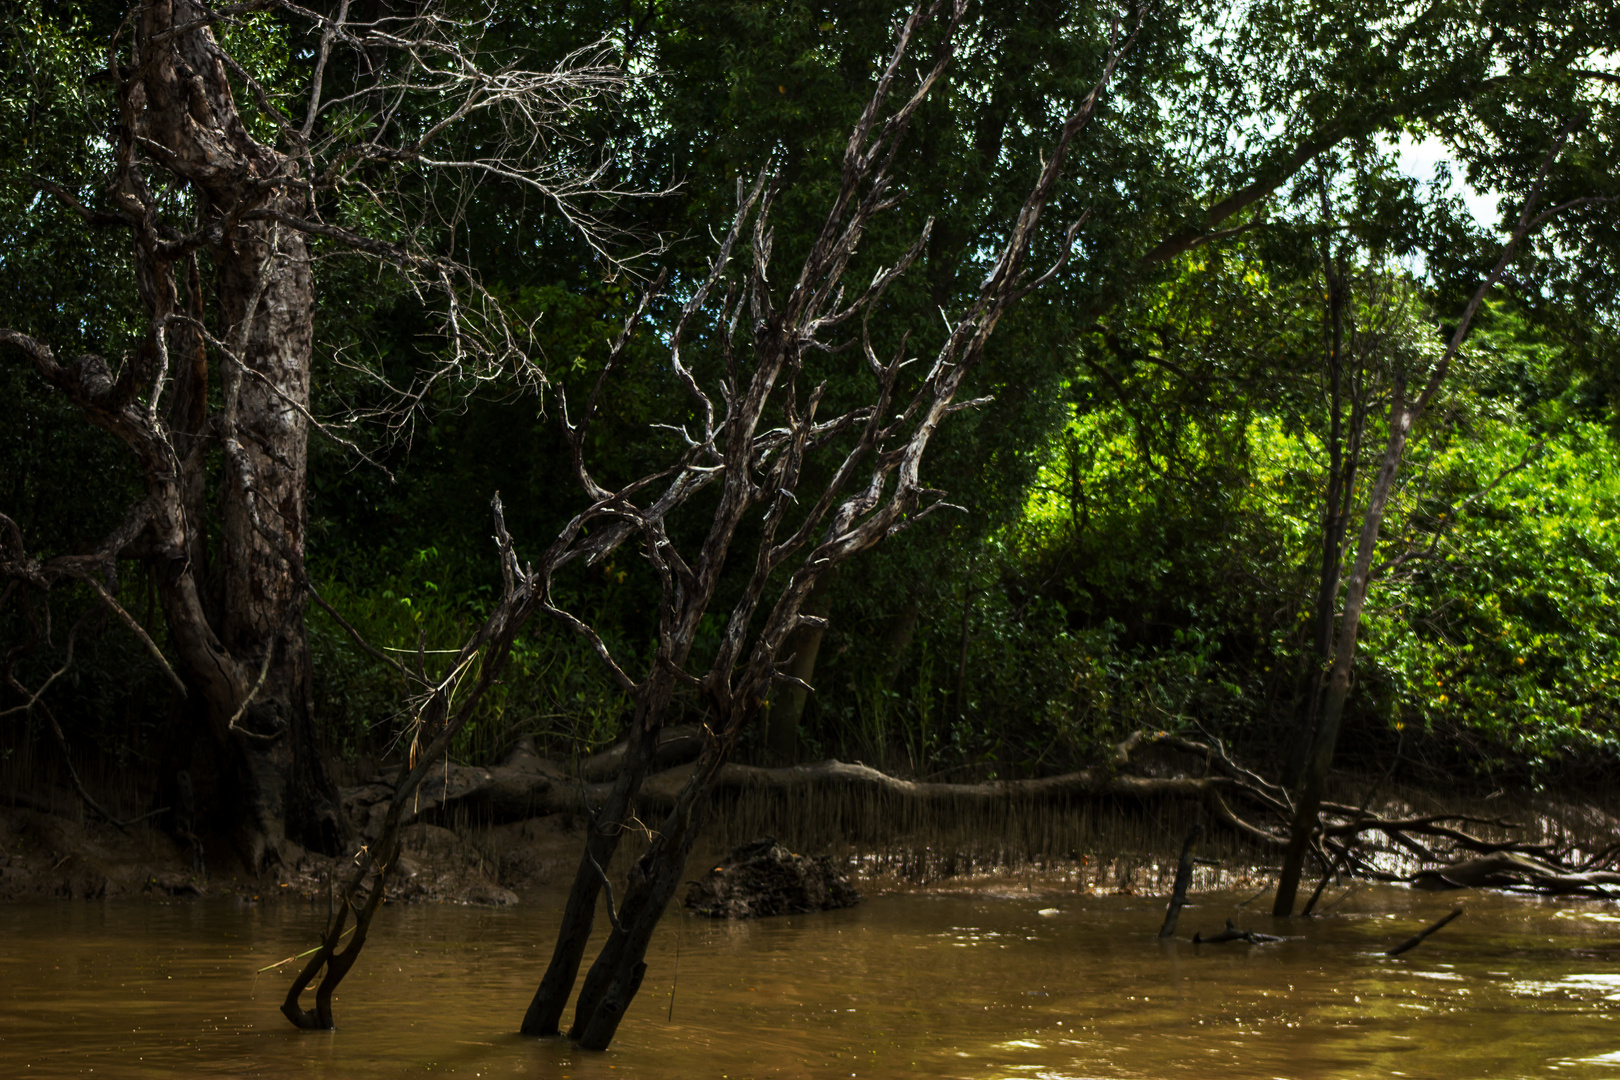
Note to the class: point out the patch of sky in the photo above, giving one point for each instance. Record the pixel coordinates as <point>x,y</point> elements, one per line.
<point>1430,162</point>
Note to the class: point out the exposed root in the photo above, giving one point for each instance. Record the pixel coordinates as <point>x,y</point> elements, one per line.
<point>1146,767</point>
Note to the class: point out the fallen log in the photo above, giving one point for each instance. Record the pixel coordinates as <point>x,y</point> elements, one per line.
<point>676,745</point>
<point>663,787</point>
<point>1399,830</point>
<point>530,786</point>
<point>526,786</point>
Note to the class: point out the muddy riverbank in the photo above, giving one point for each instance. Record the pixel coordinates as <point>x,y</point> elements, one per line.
<point>48,856</point>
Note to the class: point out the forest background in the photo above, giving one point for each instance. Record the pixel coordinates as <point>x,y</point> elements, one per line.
<point>1140,523</point>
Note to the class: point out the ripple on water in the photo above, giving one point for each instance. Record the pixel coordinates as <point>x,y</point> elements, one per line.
<point>1587,986</point>
<point>892,988</point>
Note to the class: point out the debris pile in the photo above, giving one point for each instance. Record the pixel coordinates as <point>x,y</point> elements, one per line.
<point>762,878</point>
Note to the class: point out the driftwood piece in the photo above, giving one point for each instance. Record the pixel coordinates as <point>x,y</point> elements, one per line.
<point>1509,870</point>
<point>1417,939</point>
<point>1232,933</point>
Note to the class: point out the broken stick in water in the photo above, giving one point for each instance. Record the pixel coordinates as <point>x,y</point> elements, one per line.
<point>1232,933</point>
<point>1321,885</point>
<point>1178,895</point>
<point>1417,939</point>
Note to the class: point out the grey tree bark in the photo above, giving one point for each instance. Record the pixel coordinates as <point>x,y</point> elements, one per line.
<point>233,609</point>
<point>1404,414</point>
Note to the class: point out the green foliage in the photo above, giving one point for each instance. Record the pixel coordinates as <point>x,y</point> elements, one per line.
<point>416,605</point>
<point>1142,493</point>
<point>1491,636</point>
<point>1509,641</point>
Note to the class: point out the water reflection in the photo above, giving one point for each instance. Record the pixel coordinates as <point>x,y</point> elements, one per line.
<point>908,984</point>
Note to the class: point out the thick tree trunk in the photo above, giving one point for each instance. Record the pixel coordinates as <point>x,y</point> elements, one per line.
<point>236,619</point>
<point>266,292</point>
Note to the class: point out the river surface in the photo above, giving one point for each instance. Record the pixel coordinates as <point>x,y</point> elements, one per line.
<point>970,984</point>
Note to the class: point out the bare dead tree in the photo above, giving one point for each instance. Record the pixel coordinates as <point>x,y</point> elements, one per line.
<point>874,490</point>
<point>441,708</point>
<point>225,370</point>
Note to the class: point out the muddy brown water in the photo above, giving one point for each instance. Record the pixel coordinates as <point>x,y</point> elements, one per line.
<point>972,983</point>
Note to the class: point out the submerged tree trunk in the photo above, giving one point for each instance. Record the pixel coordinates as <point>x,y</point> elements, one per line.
<point>608,826</point>
<point>616,975</point>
